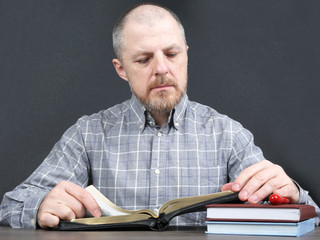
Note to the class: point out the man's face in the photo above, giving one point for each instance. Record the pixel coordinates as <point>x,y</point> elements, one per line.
<point>154,62</point>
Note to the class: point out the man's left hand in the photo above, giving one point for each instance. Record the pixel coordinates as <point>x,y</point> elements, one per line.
<point>262,179</point>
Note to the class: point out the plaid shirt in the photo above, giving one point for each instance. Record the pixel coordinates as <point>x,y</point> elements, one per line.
<point>137,164</point>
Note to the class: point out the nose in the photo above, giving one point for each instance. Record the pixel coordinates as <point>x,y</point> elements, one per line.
<point>160,65</point>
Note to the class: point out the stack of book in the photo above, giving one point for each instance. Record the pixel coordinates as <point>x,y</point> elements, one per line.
<point>260,219</point>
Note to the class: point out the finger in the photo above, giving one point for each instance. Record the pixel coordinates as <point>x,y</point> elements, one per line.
<point>57,197</point>
<point>84,197</point>
<point>74,204</point>
<point>227,186</point>
<point>65,213</point>
<point>266,190</point>
<point>261,184</point>
<point>60,210</point>
<point>248,173</point>
<point>50,217</point>
<point>48,220</point>
<point>289,191</point>
<point>271,180</point>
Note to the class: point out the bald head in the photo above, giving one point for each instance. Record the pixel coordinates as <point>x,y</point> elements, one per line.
<point>147,14</point>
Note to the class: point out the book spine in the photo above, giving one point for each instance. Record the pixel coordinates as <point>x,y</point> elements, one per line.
<point>306,213</point>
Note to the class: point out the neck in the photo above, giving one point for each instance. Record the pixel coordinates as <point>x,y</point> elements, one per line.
<point>160,118</point>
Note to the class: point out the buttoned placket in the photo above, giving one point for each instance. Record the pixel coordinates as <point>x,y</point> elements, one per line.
<point>158,159</point>
<point>158,181</point>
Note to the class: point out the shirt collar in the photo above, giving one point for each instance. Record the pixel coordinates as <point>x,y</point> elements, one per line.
<point>179,112</point>
<point>138,112</point>
<point>175,117</point>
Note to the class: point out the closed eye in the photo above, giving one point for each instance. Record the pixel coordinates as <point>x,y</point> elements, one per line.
<point>171,55</point>
<point>143,60</point>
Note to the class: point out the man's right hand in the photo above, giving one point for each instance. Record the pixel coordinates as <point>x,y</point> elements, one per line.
<point>66,201</point>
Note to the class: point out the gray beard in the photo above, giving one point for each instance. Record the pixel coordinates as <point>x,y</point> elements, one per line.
<point>162,104</point>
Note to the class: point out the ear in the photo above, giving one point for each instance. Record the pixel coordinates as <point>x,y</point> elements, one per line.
<point>119,68</point>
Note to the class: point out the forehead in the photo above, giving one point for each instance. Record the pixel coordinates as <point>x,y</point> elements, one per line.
<point>158,33</point>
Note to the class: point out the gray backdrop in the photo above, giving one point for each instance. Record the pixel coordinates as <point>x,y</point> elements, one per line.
<point>256,61</point>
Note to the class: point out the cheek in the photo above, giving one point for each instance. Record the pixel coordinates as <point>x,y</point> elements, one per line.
<point>180,74</point>
<point>137,87</point>
<point>138,84</point>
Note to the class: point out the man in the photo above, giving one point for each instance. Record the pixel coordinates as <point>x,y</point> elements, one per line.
<point>152,148</point>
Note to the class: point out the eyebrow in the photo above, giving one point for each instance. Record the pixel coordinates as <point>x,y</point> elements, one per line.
<point>173,46</point>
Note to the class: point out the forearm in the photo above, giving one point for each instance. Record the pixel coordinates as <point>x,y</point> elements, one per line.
<point>66,162</point>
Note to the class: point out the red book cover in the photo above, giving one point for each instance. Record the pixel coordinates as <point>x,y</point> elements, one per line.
<point>260,212</point>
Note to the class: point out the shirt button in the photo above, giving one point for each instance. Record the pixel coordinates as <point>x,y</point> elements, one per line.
<point>157,171</point>
<point>33,222</point>
<point>159,134</point>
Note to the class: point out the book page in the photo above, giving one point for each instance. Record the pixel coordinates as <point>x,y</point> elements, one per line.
<point>112,219</point>
<point>179,203</point>
<point>108,208</point>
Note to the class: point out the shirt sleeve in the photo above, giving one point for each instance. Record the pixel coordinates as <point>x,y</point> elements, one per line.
<point>66,161</point>
<point>305,198</point>
<point>245,153</point>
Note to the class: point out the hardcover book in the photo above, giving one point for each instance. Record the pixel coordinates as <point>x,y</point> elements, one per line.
<point>261,228</point>
<point>115,217</point>
<point>260,212</point>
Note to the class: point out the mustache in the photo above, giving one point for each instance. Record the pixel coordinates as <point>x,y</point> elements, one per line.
<point>163,80</point>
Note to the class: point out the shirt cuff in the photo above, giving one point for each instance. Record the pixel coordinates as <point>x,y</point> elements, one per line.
<point>303,194</point>
<point>29,213</point>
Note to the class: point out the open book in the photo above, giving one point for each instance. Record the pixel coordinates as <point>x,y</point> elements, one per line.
<point>114,217</point>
